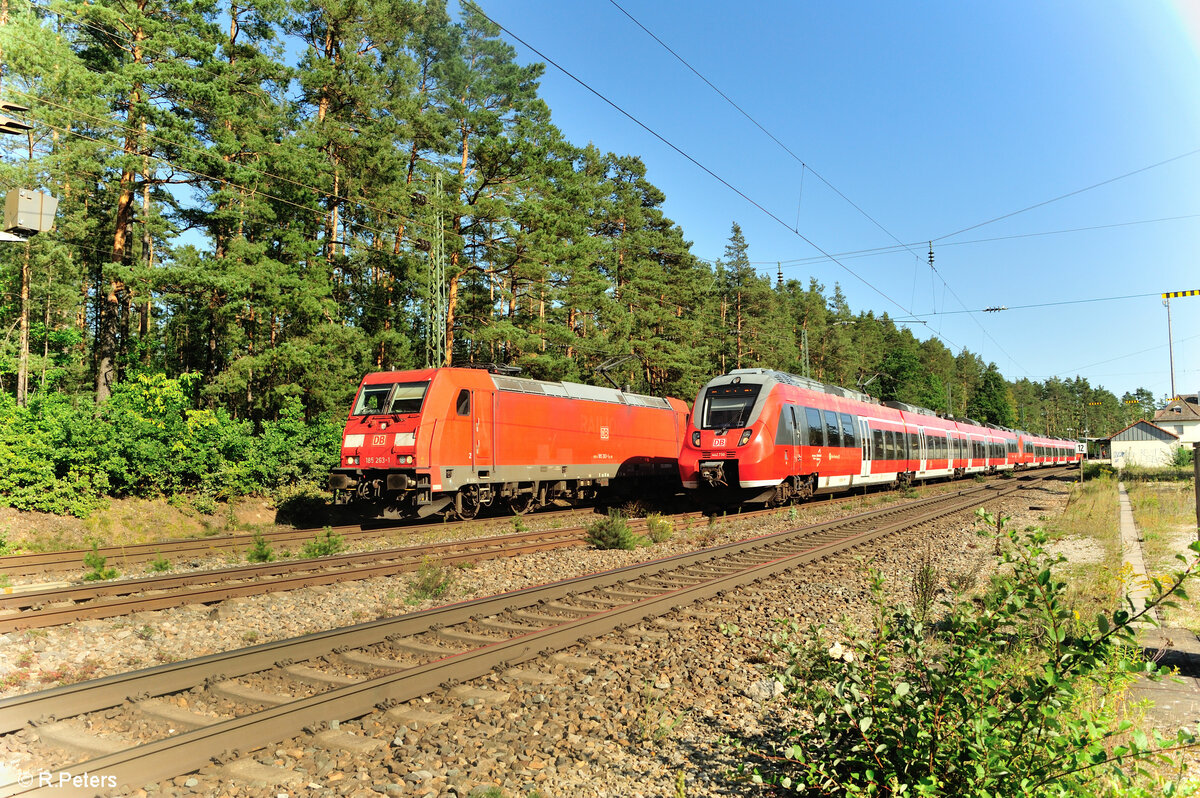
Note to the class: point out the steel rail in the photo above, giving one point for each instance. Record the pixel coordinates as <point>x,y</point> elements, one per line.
<point>110,691</point>
<point>190,750</point>
<point>14,565</point>
<point>36,609</point>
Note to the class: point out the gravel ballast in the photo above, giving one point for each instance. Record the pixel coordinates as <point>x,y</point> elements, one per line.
<point>629,714</point>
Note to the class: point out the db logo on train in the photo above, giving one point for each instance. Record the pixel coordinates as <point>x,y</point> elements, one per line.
<point>604,433</point>
<point>378,440</point>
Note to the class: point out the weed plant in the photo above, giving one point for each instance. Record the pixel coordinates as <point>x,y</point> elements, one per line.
<point>1008,694</point>
<point>159,564</point>
<point>924,585</point>
<point>432,580</point>
<point>260,550</point>
<point>326,544</point>
<point>658,529</point>
<point>612,532</point>
<point>95,562</point>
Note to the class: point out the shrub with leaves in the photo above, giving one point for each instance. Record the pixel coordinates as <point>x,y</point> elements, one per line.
<point>1009,695</point>
<point>326,544</point>
<point>432,580</point>
<point>260,550</point>
<point>95,562</point>
<point>658,529</point>
<point>612,532</point>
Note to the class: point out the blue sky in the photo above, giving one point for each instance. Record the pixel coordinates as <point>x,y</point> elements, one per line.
<point>932,118</point>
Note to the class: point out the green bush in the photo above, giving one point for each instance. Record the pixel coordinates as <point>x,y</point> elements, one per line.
<point>260,550</point>
<point>327,544</point>
<point>432,580</point>
<point>658,529</point>
<point>66,455</point>
<point>1006,695</point>
<point>1182,456</point>
<point>612,532</point>
<point>94,561</point>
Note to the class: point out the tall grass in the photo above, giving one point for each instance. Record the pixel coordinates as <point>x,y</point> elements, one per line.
<point>1165,514</point>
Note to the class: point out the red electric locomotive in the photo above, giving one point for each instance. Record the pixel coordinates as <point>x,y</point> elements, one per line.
<point>761,436</point>
<point>455,440</point>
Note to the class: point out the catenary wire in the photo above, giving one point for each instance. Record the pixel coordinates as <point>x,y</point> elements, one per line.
<point>691,159</point>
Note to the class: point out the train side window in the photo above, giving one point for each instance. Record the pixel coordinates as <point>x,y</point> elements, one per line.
<point>832,432</point>
<point>914,447</point>
<point>464,402</point>
<point>877,439</point>
<point>889,445</point>
<point>799,428</point>
<point>816,427</point>
<point>848,439</point>
<point>785,432</point>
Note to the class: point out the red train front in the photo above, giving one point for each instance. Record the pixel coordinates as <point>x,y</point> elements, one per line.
<point>766,436</point>
<point>458,439</point>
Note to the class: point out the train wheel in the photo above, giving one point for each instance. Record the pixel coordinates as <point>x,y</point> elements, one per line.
<point>522,503</point>
<point>466,503</point>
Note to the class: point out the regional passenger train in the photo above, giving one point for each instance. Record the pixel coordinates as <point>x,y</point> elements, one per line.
<point>761,436</point>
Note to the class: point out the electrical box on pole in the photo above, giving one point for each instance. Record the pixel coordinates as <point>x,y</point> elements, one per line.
<point>28,212</point>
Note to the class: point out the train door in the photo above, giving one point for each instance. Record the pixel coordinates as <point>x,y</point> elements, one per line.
<point>478,405</point>
<point>921,455</point>
<point>864,436</point>
<point>787,439</point>
<point>796,422</point>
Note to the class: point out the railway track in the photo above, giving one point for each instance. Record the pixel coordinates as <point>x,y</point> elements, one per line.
<point>242,700</point>
<point>124,557</point>
<point>61,605</point>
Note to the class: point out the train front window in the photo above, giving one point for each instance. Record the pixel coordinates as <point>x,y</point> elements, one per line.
<point>728,406</point>
<point>390,398</point>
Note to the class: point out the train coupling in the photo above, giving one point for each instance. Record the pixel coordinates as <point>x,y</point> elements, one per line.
<point>713,473</point>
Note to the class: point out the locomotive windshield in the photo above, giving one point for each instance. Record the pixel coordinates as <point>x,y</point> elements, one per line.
<point>728,406</point>
<point>391,398</point>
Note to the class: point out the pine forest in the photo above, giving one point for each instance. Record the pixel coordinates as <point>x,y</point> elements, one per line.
<point>251,198</point>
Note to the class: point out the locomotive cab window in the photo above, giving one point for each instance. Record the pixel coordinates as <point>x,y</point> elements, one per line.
<point>728,406</point>
<point>463,404</point>
<point>405,397</point>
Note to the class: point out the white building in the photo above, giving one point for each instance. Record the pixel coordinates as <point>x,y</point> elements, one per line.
<point>1143,444</point>
<point>1182,418</point>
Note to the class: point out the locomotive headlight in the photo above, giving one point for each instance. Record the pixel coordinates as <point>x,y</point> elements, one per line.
<point>745,438</point>
<point>696,439</point>
<point>406,438</point>
<point>353,441</point>
<point>351,461</point>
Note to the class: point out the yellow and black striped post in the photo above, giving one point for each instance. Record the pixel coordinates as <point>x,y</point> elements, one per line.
<point>1166,300</point>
